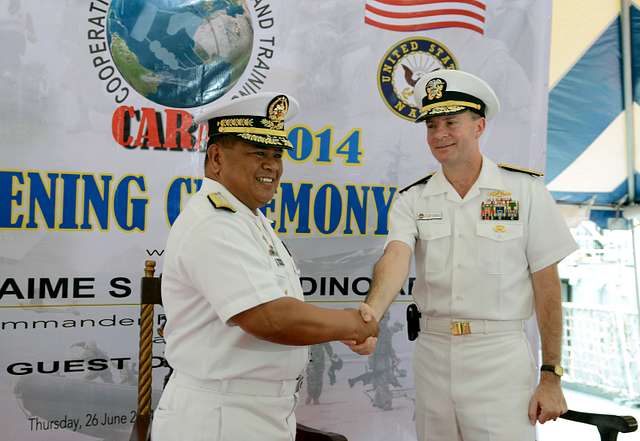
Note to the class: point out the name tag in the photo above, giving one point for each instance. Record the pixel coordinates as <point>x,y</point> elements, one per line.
<point>430,215</point>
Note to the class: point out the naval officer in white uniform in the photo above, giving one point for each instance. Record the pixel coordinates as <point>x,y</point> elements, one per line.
<point>237,325</point>
<point>486,240</point>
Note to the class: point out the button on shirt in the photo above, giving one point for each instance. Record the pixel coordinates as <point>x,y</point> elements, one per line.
<point>217,264</point>
<point>475,268</point>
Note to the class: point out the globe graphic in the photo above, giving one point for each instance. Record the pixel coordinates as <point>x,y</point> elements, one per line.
<point>180,53</point>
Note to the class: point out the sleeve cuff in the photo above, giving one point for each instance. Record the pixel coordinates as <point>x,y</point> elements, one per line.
<point>552,258</point>
<point>245,303</point>
<point>404,238</point>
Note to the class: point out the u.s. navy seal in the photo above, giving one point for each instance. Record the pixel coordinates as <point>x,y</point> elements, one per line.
<point>237,325</point>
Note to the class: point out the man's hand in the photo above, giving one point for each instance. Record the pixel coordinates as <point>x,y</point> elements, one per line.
<point>367,327</point>
<point>547,402</point>
<point>368,346</point>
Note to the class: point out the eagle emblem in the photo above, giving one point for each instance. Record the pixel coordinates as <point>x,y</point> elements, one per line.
<point>276,112</point>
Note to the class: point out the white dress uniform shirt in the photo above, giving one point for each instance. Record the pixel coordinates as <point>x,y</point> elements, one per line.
<point>477,387</point>
<point>467,267</point>
<point>219,263</point>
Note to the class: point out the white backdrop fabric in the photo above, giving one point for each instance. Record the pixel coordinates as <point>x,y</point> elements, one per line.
<point>97,157</point>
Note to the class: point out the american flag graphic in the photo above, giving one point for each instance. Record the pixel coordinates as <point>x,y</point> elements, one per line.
<point>421,15</point>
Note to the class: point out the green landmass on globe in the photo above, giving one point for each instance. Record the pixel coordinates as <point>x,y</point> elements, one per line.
<point>141,79</point>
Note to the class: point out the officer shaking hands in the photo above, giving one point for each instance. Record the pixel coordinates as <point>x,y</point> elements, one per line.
<point>486,239</point>
<point>237,324</point>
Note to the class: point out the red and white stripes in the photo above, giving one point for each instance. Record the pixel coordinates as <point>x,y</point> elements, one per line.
<point>420,15</point>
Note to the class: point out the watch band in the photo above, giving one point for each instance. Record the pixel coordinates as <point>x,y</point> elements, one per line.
<point>556,369</point>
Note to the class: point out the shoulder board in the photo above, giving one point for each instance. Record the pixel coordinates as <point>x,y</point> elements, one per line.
<point>220,202</point>
<point>418,182</point>
<point>515,168</point>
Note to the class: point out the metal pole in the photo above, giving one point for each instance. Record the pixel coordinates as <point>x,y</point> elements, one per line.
<point>627,88</point>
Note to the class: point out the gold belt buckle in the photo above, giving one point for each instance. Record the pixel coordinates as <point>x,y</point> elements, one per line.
<point>460,328</point>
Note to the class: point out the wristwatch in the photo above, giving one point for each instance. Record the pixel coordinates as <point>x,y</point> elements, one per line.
<point>555,368</point>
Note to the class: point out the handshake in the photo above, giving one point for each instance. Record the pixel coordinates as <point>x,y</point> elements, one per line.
<point>366,332</point>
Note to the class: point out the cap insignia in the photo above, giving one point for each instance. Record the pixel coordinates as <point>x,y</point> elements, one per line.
<point>220,202</point>
<point>276,113</point>
<point>435,88</point>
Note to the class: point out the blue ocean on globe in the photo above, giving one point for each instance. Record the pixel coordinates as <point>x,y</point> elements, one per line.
<point>180,53</point>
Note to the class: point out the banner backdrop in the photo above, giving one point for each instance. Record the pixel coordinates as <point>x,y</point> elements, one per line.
<point>98,157</point>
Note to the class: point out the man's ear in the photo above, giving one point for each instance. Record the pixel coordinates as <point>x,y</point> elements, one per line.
<point>480,126</point>
<point>214,159</point>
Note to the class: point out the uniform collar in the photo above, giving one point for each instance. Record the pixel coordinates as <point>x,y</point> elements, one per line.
<point>211,186</point>
<point>438,184</point>
<point>489,177</point>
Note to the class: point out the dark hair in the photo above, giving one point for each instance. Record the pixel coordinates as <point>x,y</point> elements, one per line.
<point>224,141</point>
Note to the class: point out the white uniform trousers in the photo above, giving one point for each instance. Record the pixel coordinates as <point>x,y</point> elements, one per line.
<point>192,410</point>
<point>474,387</point>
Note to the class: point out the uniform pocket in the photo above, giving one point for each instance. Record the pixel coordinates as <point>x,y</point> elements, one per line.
<point>435,237</point>
<point>497,241</point>
<point>187,413</point>
<point>204,417</point>
<point>499,232</point>
<point>248,417</point>
<point>532,362</point>
<point>167,400</point>
<point>430,230</point>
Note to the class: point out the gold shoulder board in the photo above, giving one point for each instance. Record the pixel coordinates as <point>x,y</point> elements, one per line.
<point>418,182</point>
<point>515,168</point>
<point>220,202</point>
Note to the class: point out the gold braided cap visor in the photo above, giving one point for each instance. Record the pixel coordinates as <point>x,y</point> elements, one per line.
<point>448,106</point>
<point>256,130</point>
<point>266,140</point>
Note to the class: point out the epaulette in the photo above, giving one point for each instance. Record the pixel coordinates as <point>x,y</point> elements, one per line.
<point>515,168</point>
<point>418,182</point>
<point>220,202</point>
